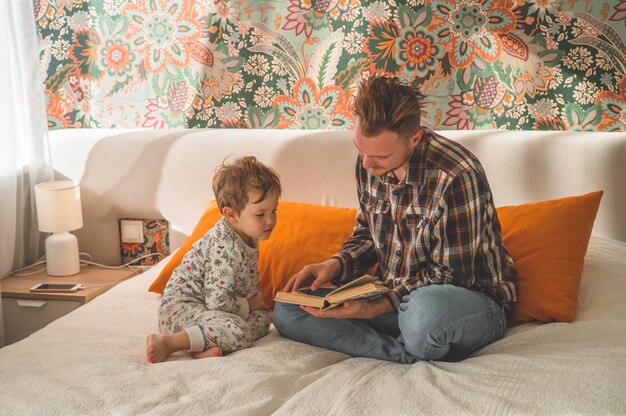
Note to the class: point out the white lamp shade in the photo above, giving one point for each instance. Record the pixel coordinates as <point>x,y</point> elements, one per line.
<point>58,206</point>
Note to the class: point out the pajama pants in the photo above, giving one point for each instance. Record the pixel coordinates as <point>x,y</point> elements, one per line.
<point>211,328</point>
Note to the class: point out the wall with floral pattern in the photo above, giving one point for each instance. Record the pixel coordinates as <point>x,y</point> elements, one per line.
<point>484,64</point>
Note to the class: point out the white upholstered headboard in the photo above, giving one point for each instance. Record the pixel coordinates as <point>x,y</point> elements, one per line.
<point>167,173</point>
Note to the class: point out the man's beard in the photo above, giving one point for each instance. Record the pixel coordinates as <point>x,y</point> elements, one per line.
<point>383,173</point>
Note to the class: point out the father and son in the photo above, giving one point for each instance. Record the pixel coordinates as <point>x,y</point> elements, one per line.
<point>426,218</point>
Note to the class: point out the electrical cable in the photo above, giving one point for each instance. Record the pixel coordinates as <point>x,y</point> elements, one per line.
<point>89,262</point>
<point>82,263</point>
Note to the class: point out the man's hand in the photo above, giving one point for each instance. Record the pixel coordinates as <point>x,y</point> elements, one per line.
<point>353,309</point>
<point>257,304</point>
<point>318,274</point>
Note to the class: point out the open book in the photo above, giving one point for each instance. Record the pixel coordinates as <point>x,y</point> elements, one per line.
<point>365,286</point>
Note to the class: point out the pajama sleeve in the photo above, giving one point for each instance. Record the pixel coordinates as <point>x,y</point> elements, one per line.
<point>259,322</point>
<point>219,280</point>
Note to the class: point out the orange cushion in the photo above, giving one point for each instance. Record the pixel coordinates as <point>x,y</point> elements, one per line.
<point>548,241</point>
<point>304,234</point>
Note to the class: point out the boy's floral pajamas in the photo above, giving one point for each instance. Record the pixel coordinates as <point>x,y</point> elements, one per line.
<point>207,293</point>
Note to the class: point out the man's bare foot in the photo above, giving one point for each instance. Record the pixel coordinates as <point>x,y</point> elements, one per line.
<point>157,349</point>
<point>211,352</point>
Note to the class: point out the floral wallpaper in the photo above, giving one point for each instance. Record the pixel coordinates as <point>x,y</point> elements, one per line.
<point>484,64</point>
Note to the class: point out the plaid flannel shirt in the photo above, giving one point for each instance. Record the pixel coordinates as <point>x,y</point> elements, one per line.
<point>437,226</point>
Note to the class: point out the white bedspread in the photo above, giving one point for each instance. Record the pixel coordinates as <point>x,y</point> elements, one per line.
<point>93,362</point>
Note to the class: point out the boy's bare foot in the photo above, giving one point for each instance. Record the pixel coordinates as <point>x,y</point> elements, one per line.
<point>157,349</point>
<point>211,352</point>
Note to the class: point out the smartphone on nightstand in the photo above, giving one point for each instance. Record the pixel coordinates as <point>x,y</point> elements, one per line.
<point>55,287</point>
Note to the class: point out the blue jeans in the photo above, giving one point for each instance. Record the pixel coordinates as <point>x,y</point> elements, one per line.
<point>437,322</point>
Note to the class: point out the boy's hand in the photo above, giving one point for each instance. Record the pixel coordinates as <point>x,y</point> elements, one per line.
<point>257,304</point>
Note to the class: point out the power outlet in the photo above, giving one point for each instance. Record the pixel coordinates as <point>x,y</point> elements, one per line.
<point>131,231</point>
<point>143,241</point>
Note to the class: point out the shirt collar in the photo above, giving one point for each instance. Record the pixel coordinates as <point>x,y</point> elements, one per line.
<point>228,226</point>
<point>417,163</point>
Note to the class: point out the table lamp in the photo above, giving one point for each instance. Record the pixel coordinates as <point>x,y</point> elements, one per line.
<point>59,212</point>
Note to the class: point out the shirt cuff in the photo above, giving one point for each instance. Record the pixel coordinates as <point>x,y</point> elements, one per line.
<point>394,298</point>
<point>343,266</point>
<point>244,308</point>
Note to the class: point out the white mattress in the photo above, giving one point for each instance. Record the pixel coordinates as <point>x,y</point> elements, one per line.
<point>92,361</point>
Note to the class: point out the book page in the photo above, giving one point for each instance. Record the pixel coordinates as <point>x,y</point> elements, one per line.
<point>362,291</point>
<point>299,298</point>
<point>366,278</point>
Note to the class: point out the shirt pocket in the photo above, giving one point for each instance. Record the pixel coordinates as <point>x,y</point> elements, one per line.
<point>375,205</point>
<point>379,219</point>
<point>419,233</point>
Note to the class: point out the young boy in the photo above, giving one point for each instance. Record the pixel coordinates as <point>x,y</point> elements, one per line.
<point>211,304</point>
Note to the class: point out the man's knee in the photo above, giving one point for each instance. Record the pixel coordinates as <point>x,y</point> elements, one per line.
<point>435,318</point>
<point>284,317</point>
<point>423,339</point>
<point>421,324</point>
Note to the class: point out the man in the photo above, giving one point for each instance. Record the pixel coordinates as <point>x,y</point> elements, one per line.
<point>426,216</point>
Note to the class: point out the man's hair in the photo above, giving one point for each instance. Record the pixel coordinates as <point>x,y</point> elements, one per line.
<point>232,183</point>
<point>386,103</point>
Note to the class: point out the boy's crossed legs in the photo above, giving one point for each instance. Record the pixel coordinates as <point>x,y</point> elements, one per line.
<point>205,333</point>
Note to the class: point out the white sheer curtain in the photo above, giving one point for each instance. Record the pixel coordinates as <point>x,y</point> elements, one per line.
<point>24,152</point>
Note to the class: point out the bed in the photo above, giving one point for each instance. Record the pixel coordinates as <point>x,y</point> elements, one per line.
<point>92,361</point>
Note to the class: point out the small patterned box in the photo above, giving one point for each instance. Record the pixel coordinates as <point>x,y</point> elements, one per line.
<point>156,240</point>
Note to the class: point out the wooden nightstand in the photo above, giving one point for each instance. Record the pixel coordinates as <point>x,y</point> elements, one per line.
<point>26,312</point>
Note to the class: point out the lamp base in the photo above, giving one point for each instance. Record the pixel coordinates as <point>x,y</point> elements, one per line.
<point>62,254</point>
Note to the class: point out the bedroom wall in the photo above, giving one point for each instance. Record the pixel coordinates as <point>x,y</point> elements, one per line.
<point>484,64</point>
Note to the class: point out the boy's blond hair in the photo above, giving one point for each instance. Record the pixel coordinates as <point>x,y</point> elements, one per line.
<point>232,183</point>
<point>386,103</point>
